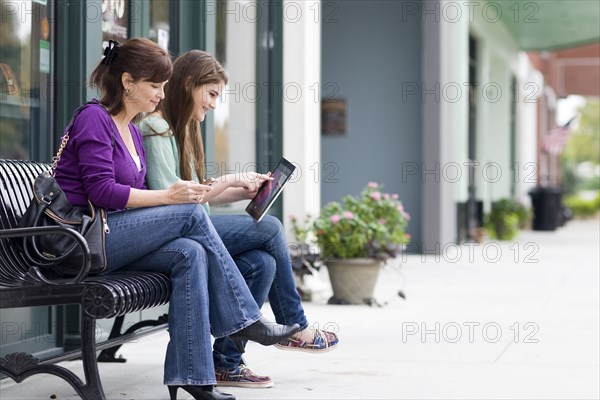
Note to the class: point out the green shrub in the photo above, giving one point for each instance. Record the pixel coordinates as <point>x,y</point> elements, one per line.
<point>523,214</point>
<point>583,208</point>
<point>590,184</point>
<point>505,218</point>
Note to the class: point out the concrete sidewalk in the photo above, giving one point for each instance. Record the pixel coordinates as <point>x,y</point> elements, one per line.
<point>514,320</point>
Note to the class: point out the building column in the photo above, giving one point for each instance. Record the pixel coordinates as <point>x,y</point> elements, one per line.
<point>445,123</point>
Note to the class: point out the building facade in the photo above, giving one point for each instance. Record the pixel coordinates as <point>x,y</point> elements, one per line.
<point>436,100</point>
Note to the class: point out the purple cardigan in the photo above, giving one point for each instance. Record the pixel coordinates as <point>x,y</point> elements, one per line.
<point>89,168</point>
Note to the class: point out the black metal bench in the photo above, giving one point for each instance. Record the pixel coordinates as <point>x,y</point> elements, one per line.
<point>106,296</point>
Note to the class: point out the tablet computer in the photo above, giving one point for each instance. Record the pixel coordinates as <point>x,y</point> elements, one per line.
<point>270,190</point>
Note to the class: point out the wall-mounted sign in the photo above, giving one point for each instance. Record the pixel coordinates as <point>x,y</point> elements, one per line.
<point>333,117</point>
<point>44,57</point>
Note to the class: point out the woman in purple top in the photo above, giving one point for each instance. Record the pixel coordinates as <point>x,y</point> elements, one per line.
<point>159,230</point>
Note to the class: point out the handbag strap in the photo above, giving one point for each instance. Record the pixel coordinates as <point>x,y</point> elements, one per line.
<point>65,138</point>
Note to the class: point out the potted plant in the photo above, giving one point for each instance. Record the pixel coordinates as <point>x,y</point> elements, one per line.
<point>355,237</point>
<point>505,219</point>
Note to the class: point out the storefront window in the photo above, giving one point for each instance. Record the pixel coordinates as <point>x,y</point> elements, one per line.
<point>235,117</point>
<point>26,59</point>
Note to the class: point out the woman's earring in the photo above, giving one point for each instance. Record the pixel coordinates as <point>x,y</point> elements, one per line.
<point>126,92</point>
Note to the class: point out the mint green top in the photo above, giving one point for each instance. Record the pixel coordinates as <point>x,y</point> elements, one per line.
<point>162,157</point>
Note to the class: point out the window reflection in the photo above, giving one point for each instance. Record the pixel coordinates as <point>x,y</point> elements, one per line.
<point>115,21</point>
<point>26,40</point>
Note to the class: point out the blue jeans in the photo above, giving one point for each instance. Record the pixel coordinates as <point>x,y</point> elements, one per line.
<point>261,252</point>
<point>209,294</point>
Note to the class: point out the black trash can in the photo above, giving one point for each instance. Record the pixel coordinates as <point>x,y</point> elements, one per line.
<point>547,208</point>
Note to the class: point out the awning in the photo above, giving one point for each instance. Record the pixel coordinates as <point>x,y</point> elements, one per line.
<point>546,25</point>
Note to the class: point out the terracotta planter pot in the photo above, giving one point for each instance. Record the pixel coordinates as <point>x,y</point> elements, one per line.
<point>353,280</point>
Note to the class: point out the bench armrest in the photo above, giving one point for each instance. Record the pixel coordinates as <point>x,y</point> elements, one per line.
<point>54,230</point>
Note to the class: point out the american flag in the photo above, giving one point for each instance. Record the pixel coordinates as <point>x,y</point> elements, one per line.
<point>554,142</point>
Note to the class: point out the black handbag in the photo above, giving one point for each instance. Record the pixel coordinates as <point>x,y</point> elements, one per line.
<point>50,207</point>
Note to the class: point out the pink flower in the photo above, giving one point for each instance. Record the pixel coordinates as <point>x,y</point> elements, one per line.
<point>372,184</point>
<point>406,215</point>
<point>386,196</point>
<point>382,221</point>
<point>334,219</point>
<point>376,196</point>
<point>395,196</point>
<point>400,208</point>
<point>348,215</point>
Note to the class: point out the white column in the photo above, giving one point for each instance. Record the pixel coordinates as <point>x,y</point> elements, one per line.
<point>530,83</point>
<point>301,113</point>
<point>444,60</point>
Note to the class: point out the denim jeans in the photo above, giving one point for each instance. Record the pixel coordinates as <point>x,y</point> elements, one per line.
<point>209,294</point>
<point>256,246</point>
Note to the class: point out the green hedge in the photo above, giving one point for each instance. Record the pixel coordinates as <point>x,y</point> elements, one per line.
<point>583,208</point>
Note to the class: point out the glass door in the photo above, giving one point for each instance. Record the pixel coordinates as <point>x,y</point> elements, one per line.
<point>234,146</point>
<point>27,96</point>
<point>247,124</point>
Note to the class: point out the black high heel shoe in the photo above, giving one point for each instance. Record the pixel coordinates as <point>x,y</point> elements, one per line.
<point>200,392</point>
<point>264,332</point>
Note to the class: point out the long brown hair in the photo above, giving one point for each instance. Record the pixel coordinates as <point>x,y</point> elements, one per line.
<point>190,71</point>
<point>141,58</point>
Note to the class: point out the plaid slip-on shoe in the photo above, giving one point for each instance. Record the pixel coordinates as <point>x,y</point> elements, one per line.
<point>242,376</point>
<point>323,342</point>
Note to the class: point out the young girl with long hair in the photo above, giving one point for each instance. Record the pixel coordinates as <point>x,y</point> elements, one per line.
<point>174,143</point>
